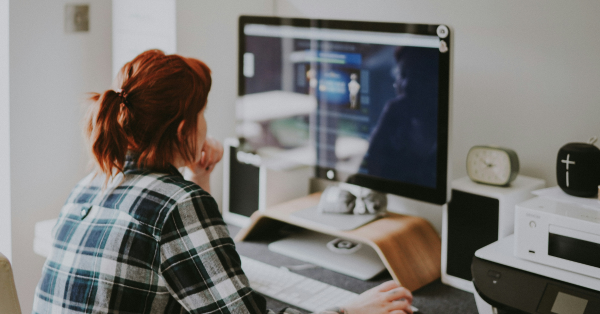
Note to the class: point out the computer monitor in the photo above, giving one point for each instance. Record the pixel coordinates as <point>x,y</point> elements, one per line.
<point>366,102</point>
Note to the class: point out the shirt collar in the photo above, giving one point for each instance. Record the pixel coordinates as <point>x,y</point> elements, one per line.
<point>131,165</point>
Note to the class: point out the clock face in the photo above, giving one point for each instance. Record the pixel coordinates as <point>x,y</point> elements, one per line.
<point>491,165</point>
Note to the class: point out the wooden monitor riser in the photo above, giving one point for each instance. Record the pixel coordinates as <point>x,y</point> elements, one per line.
<point>408,246</point>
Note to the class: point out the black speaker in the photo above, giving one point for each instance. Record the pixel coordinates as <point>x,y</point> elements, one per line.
<point>249,185</point>
<point>472,224</point>
<point>477,215</point>
<point>243,185</point>
<point>578,169</point>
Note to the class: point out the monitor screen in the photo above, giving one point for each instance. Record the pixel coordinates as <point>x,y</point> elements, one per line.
<point>367,103</point>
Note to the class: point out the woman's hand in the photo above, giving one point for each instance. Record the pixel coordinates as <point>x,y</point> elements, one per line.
<point>388,297</point>
<point>211,154</point>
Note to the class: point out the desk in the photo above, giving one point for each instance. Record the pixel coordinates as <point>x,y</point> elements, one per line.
<point>433,298</point>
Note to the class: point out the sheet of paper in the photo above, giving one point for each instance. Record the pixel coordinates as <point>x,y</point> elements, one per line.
<point>555,193</point>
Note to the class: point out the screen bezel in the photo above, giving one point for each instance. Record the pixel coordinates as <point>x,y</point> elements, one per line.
<point>437,195</point>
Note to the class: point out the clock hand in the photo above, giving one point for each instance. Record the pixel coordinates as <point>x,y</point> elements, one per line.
<point>484,161</point>
<point>487,164</point>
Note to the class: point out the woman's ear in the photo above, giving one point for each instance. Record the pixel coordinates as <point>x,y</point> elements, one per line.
<point>178,161</point>
<point>186,139</point>
<point>180,130</point>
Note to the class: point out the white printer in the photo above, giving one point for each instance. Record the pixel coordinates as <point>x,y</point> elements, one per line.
<point>508,284</point>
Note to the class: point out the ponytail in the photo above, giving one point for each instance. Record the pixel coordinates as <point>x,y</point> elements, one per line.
<point>106,131</point>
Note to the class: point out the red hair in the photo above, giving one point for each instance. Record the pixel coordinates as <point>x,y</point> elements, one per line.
<point>159,93</point>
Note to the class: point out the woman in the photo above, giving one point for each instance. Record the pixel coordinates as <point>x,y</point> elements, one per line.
<point>136,237</point>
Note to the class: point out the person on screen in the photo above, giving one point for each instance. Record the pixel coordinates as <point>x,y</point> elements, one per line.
<point>134,236</point>
<point>403,143</point>
<point>353,88</point>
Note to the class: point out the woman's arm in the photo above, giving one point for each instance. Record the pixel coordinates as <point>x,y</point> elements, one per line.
<point>212,152</point>
<point>199,263</point>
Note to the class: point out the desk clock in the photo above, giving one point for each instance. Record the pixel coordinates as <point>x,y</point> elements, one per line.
<point>492,165</point>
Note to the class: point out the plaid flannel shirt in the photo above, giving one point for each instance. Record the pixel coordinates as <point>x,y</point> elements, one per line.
<point>147,243</point>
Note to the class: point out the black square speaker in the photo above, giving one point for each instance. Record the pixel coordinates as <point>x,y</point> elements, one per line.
<point>243,185</point>
<point>472,224</point>
<point>249,185</point>
<point>578,169</point>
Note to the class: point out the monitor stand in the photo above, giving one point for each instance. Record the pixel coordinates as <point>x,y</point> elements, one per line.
<point>340,255</point>
<point>343,222</point>
<point>408,246</point>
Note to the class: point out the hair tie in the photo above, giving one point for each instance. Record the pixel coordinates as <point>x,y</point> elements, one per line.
<point>123,95</point>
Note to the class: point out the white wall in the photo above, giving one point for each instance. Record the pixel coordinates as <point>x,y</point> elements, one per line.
<point>50,72</point>
<point>207,30</point>
<point>5,230</point>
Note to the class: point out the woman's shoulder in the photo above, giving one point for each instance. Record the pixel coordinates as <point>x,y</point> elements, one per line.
<point>148,197</point>
<point>174,193</point>
<point>169,185</point>
<point>166,189</point>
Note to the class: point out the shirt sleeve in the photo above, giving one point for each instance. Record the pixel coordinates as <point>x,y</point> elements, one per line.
<point>199,263</point>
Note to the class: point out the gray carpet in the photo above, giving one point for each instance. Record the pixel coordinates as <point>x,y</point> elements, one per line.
<point>431,299</point>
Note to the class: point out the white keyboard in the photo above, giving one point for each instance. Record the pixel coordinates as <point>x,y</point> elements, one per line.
<point>294,289</point>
